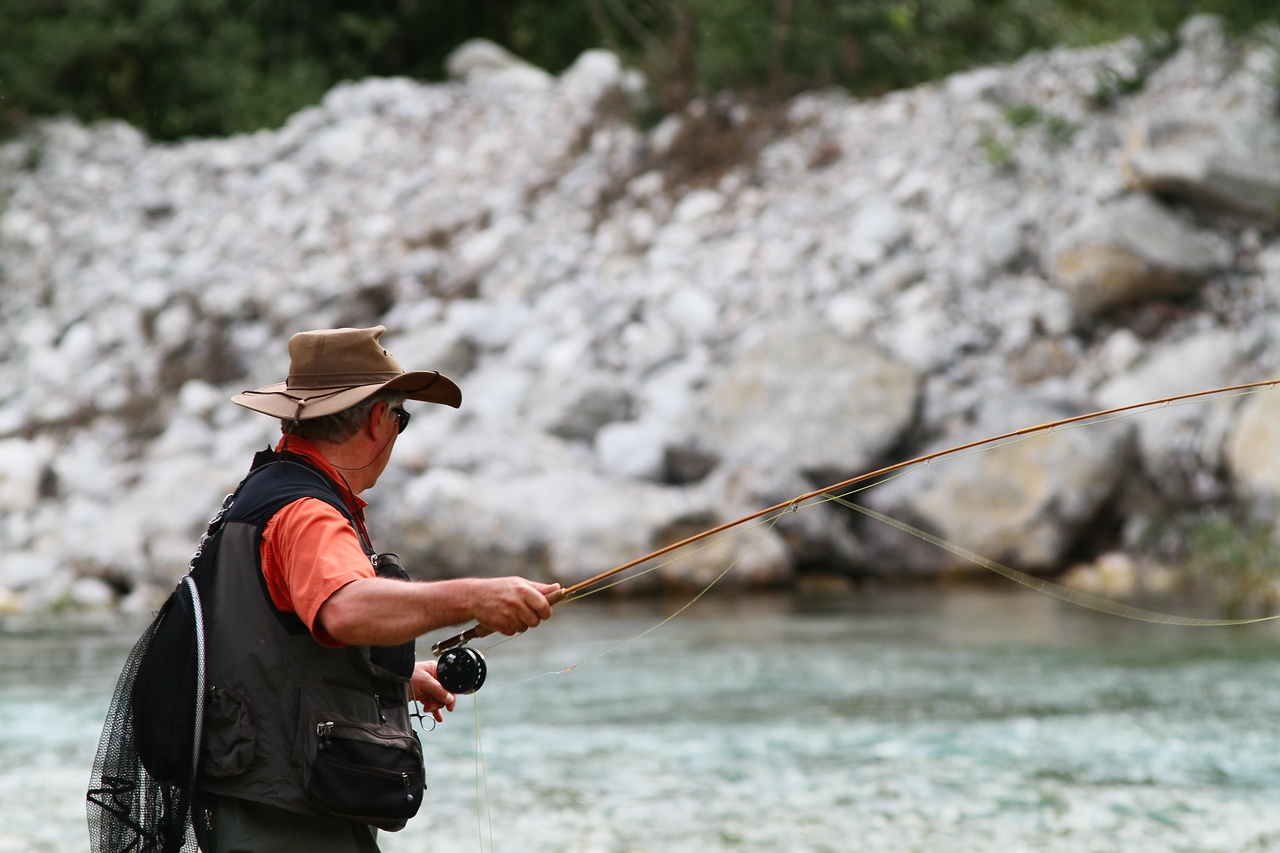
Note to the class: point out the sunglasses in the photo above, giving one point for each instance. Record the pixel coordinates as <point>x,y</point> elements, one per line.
<point>402,417</point>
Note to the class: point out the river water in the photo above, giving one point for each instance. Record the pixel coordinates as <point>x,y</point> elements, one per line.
<point>952,719</point>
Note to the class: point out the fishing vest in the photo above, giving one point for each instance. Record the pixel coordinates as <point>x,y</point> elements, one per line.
<point>289,722</point>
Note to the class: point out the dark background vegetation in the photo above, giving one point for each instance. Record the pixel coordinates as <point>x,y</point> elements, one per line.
<point>212,67</point>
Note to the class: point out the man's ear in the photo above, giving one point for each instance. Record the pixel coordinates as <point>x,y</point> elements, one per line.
<point>379,411</point>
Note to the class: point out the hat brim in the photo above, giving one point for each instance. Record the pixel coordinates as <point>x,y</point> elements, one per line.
<point>280,401</point>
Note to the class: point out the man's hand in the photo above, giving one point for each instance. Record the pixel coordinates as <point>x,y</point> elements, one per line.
<point>429,691</point>
<point>512,605</point>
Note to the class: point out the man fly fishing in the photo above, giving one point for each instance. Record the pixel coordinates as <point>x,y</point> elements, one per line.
<point>309,632</point>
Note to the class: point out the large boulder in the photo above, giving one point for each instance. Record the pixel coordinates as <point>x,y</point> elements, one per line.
<point>1227,162</point>
<point>817,532</point>
<point>1022,504</point>
<point>568,525</point>
<point>1179,445</point>
<point>827,405</point>
<point>1130,251</point>
<point>1253,451</point>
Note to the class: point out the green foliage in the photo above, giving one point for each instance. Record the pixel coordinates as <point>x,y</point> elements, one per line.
<point>999,154</point>
<point>1022,115</point>
<point>1240,561</point>
<point>183,67</point>
<point>1021,118</point>
<point>1060,130</point>
<point>1109,86</point>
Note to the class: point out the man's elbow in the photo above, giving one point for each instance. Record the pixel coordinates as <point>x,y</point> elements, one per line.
<point>340,617</point>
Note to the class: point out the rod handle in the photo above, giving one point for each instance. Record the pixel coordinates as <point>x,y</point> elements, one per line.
<point>478,631</point>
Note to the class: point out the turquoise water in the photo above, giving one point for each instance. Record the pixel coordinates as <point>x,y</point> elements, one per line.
<point>941,720</point>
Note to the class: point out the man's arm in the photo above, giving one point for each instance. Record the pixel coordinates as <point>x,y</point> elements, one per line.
<point>387,612</point>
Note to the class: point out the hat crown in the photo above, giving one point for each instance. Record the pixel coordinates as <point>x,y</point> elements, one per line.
<point>337,358</point>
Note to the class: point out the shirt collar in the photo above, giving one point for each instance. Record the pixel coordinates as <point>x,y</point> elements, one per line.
<point>308,451</point>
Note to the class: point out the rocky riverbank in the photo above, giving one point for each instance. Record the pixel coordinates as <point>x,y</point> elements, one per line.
<point>656,330</point>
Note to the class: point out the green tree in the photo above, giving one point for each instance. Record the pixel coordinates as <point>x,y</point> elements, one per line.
<point>211,67</point>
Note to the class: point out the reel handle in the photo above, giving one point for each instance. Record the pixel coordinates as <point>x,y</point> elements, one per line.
<point>478,631</point>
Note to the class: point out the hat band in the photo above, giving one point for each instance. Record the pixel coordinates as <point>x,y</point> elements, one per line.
<point>321,381</point>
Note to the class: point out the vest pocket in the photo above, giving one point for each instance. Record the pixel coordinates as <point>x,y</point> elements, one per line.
<point>229,735</point>
<point>363,771</point>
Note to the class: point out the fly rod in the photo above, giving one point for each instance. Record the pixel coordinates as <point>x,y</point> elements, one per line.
<point>478,631</point>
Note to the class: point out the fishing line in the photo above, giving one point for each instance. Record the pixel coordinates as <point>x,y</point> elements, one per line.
<point>770,520</point>
<point>650,630</point>
<point>482,772</point>
<point>1071,596</point>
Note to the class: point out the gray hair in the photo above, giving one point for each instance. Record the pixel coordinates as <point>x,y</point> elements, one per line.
<point>341,426</point>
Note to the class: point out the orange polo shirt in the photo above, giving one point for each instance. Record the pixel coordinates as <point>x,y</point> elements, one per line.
<point>310,550</point>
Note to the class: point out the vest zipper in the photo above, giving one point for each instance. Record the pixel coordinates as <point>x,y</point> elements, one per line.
<point>377,700</point>
<point>402,775</point>
<point>326,728</point>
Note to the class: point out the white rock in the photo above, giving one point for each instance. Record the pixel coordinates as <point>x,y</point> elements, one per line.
<point>482,250</point>
<point>495,392</point>
<point>969,85</point>
<point>632,449</point>
<point>1197,363</point>
<point>1176,442</point>
<point>579,414</point>
<point>878,227</point>
<point>1131,251</point>
<point>480,56</point>
<point>1226,161</point>
<point>491,324</point>
<point>1002,241</point>
<point>199,398</point>
<point>850,314</point>
<point>92,592</point>
<point>661,138</point>
<point>1112,576</point>
<point>693,312</point>
<point>698,205</point>
<point>22,464</point>
<point>784,393</point>
<point>441,347</point>
<point>1253,451</point>
<point>1120,350</point>
<point>1021,504</point>
<point>566,527</point>
<point>24,569</point>
<point>595,72</point>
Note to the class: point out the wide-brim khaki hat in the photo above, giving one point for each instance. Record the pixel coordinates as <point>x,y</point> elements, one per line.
<point>335,369</point>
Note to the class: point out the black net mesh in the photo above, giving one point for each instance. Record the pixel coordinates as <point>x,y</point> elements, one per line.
<point>128,809</point>
<point>140,793</point>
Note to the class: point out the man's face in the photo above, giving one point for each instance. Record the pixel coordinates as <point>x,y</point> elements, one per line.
<point>386,426</point>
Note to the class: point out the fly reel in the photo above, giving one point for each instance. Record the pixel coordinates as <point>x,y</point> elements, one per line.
<point>461,670</point>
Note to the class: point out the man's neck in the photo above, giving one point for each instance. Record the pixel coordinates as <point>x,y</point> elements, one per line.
<point>351,459</point>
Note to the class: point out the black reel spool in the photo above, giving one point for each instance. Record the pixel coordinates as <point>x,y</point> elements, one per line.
<point>461,670</point>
